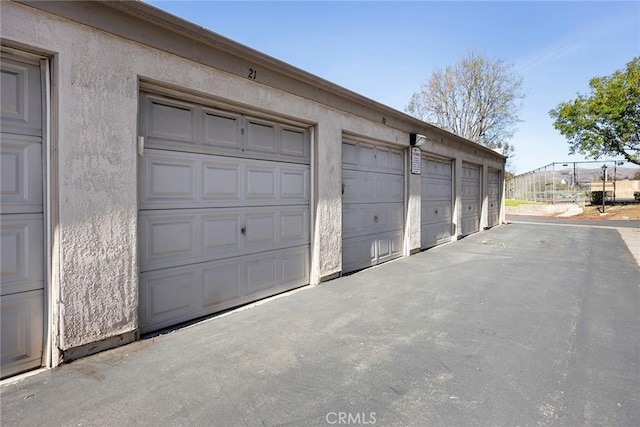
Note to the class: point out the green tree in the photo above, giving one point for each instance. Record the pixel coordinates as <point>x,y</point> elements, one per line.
<point>607,121</point>
<point>476,98</point>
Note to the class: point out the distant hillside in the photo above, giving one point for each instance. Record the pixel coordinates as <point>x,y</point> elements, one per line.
<point>588,175</point>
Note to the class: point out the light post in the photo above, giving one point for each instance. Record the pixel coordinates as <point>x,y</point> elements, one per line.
<point>604,181</point>
<point>615,176</point>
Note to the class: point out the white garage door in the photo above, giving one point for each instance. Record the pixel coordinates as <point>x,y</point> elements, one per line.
<point>372,204</point>
<point>437,205</point>
<point>224,210</point>
<point>470,221</point>
<point>21,218</point>
<point>493,188</point>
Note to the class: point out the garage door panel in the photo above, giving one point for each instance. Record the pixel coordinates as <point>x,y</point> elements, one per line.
<point>373,218</point>
<point>294,267</point>
<point>469,225</point>
<point>294,226</point>
<point>437,169</point>
<point>435,234</point>
<point>166,123</point>
<point>22,331</point>
<point>294,143</point>
<point>187,180</point>
<point>358,252</point>
<point>21,169</point>
<point>261,183</point>
<point>363,187</point>
<point>174,237</point>
<point>261,137</point>
<point>356,186</point>
<point>470,172</point>
<point>222,129</point>
<point>390,246</point>
<point>222,284</point>
<point>168,296</point>
<point>397,161</point>
<point>21,98</point>
<point>170,236</point>
<point>389,188</point>
<point>349,155</point>
<point>221,181</point>
<point>365,251</point>
<point>436,188</point>
<point>261,229</point>
<point>436,211</point>
<point>173,295</point>
<point>22,255</point>
<point>370,158</point>
<point>261,273</point>
<point>366,156</point>
<point>221,232</point>
<point>171,120</point>
<point>169,180</point>
<point>383,158</point>
<point>294,184</point>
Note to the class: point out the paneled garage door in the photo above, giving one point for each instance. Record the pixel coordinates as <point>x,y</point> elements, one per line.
<point>437,205</point>
<point>224,210</point>
<point>493,188</point>
<point>470,221</point>
<point>372,204</point>
<point>21,218</point>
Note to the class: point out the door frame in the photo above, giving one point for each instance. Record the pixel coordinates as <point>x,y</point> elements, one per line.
<point>46,63</point>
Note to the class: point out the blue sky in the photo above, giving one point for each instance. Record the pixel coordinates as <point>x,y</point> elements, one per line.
<point>386,50</point>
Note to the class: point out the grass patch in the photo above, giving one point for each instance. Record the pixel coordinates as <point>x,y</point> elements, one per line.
<point>512,202</point>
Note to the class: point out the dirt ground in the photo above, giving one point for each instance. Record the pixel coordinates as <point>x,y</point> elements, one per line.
<point>626,211</point>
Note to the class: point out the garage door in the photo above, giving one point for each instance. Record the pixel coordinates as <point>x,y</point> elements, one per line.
<point>372,204</point>
<point>437,205</point>
<point>21,218</point>
<point>470,221</point>
<point>493,188</point>
<point>224,210</point>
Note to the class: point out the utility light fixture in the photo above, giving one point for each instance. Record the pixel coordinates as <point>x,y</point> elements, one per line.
<point>416,140</point>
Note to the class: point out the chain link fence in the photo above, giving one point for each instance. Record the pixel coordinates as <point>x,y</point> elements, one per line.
<point>577,182</point>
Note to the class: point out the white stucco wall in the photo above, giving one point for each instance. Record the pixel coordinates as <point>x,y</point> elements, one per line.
<point>96,77</point>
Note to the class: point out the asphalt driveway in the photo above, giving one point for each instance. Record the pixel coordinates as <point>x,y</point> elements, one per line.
<point>524,325</point>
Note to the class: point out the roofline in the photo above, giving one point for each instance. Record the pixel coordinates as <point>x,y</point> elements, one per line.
<point>170,22</point>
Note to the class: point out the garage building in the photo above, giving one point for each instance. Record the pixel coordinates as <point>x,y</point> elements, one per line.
<point>154,172</point>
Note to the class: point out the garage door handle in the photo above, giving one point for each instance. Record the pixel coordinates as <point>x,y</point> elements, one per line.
<point>469,207</point>
<point>375,218</point>
<point>243,230</point>
<point>436,211</point>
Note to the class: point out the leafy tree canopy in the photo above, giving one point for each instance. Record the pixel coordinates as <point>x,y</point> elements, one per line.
<point>476,98</point>
<point>607,121</point>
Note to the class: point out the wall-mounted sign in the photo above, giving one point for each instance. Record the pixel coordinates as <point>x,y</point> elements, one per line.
<point>415,160</point>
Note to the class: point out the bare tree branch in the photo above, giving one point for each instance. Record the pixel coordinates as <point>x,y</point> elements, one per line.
<point>476,98</point>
